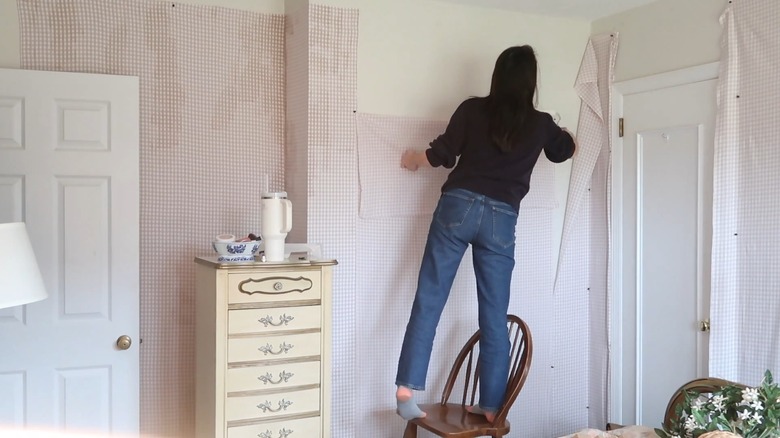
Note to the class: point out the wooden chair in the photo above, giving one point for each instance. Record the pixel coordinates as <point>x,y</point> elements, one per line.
<point>452,420</point>
<point>703,386</point>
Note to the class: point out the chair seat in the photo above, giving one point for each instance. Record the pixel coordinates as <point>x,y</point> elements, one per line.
<point>452,420</point>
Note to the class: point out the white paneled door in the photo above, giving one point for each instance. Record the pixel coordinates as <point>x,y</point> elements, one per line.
<point>666,197</point>
<point>69,169</point>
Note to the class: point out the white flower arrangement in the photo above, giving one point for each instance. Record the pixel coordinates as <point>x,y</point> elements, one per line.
<point>746,412</point>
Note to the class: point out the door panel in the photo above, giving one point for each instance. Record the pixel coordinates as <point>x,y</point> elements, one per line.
<point>668,220</point>
<point>667,233</point>
<point>69,169</point>
<point>12,399</point>
<point>84,239</point>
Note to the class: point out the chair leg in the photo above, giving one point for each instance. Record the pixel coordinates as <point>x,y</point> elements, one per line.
<point>411,430</point>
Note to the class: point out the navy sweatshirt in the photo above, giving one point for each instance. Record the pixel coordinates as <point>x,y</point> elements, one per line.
<point>483,168</point>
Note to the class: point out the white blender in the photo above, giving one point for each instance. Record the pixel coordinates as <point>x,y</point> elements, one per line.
<point>276,216</point>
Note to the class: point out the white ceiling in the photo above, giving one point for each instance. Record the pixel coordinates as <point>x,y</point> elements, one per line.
<point>585,9</point>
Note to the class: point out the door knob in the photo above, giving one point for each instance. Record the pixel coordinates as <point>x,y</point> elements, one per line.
<point>124,342</point>
<point>704,325</point>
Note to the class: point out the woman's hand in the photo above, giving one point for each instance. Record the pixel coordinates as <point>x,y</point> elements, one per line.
<point>413,160</point>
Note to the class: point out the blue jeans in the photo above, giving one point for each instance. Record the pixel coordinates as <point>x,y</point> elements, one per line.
<point>461,218</point>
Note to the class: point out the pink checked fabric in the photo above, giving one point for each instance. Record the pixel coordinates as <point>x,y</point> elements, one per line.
<point>333,188</point>
<point>746,204</point>
<point>386,189</point>
<point>581,283</point>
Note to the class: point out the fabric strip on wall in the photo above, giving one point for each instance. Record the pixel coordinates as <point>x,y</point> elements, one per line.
<point>746,196</point>
<point>386,189</point>
<point>333,191</point>
<point>580,359</point>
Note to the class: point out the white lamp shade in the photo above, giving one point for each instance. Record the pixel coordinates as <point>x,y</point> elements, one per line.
<point>20,278</point>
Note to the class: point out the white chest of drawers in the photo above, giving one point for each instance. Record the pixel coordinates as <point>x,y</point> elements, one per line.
<point>263,340</point>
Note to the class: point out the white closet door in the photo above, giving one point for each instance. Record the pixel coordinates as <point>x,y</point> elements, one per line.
<point>69,169</point>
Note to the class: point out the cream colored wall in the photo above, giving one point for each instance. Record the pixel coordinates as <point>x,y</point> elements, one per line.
<point>422,57</point>
<point>665,35</point>
<point>9,22</point>
<point>9,35</point>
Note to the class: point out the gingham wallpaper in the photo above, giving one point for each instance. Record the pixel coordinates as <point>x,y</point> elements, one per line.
<point>746,205</point>
<point>212,132</point>
<point>333,193</point>
<point>296,168</point>
<point>579,373</point>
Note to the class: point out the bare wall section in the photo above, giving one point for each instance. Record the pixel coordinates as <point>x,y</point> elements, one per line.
<point>665,35</point>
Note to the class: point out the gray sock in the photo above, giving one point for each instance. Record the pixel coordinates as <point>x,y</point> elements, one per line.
<point>408,409</point>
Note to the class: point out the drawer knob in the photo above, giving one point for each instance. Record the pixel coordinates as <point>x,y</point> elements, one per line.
<point>278,285</point>
<point>266,406</point>
<point>284,347</point>
<point>283,433</point>
<point>284,376</point>
<point>283,320</point>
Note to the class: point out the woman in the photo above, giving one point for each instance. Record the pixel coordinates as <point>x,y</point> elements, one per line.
<point>493,144</point>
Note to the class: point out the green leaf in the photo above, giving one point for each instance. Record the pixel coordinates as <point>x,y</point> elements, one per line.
<point>661,433</point>
<point>700,416</point>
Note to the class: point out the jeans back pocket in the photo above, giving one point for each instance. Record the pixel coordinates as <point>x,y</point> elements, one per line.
<point>504,224</point>
<point>452,209</point>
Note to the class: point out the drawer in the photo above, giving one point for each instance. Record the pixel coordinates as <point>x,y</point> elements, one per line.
<point>272,405</point>
<point>303,428</point>
<point>274,319</point>
<point>279,286</point>
<point>256,378</point>
<point>254,348</point>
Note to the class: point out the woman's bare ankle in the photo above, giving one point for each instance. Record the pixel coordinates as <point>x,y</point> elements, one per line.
<point>476,410</point>
<point>403,393</point>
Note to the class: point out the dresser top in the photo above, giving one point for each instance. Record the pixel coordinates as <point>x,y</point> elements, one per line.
<point>212,262</point>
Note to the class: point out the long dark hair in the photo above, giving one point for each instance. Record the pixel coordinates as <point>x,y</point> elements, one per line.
<point>511,99</point>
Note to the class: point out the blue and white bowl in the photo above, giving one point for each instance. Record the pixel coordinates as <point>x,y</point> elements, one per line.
<point>231,249</point>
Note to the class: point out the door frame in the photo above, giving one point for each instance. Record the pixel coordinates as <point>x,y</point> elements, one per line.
<point>619,90</point>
